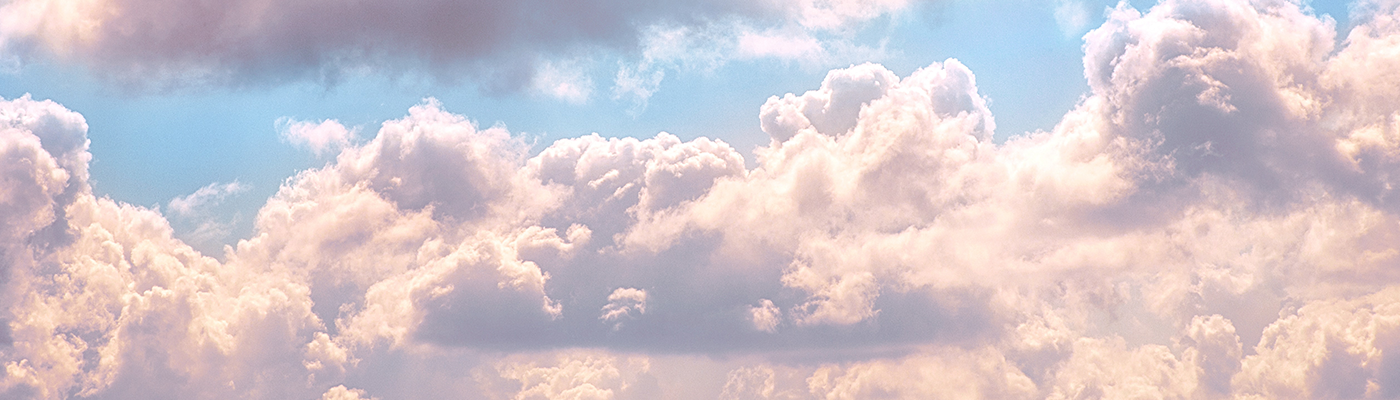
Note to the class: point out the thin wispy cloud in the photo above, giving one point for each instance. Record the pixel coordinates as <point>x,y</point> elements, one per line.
<point>205,197</point>
<point>202,210</point>
<point>1072,16</point>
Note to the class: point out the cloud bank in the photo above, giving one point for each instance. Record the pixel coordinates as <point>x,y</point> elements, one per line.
<point>1214,219</point>
<point>547,46</point>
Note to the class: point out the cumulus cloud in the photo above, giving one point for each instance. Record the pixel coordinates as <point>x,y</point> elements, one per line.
<point>341,393</point>
<point>766,316</point>
<point>320,137</point>
<point>575,375</point>
<point>1213,219</point>
<point>622,303</point>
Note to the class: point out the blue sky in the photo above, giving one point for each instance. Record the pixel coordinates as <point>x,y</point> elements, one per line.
<point>775,199</point>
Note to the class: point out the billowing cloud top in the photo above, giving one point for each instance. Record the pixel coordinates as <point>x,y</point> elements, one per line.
<point>1216,218</point>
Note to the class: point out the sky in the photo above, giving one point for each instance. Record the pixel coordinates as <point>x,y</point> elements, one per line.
<point>776,199</point>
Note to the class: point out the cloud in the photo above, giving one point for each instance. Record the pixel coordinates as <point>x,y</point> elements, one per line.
<point>341,393</point>
<point>1072,16</point>
<point>779,45</point>
<point>564,81</point>
<point>951,374</point>
<point>766,316</point>
<point>500,45</point>
<point>320,137</point>
<point>578,375</point>
<point>206,196</point>
<point>621,303</point>
<point>197,217</point>
<point>44,151</point>
<point>1213,219</point>
<point>706,47</point>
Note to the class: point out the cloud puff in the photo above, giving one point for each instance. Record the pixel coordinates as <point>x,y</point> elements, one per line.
<point>766,316</point>
<point>46,161</point>
<point>341,393</point>
<point>575,375</point>
<point>622,302</point>
<point>1214,219</point>
<point>318,136</point>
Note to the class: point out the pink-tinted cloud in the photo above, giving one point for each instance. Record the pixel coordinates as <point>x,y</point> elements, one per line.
<point>1214,219</point>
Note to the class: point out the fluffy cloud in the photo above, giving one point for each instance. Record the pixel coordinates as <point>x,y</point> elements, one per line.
<point>578,375</point>
<point>341,393</point>
<point>318,136</point>
<point>1214,219</point>
<point>622,303</point>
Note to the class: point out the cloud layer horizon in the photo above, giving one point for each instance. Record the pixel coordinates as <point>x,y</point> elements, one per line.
<point>1216,218</point>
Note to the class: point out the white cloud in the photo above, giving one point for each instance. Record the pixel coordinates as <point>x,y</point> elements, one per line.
<point>341,393</point>
<point>574,375</point>
<point>668,47</point>
<point>780,45</point>
<point>843,301</point>
<point>709,46</point>
<point>621,303</point>
<point>564,81</point>
<point>196,218</point>
<point>766,316</point>
<point>318,136</point>
<point>207,196</point>
<point>834,109</point>
<point>749,383</point>
<point>841,14</point>
<point>945,373</point>
<point>882,245</point>
<point>1072,16</point>
<point>44,149</point>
